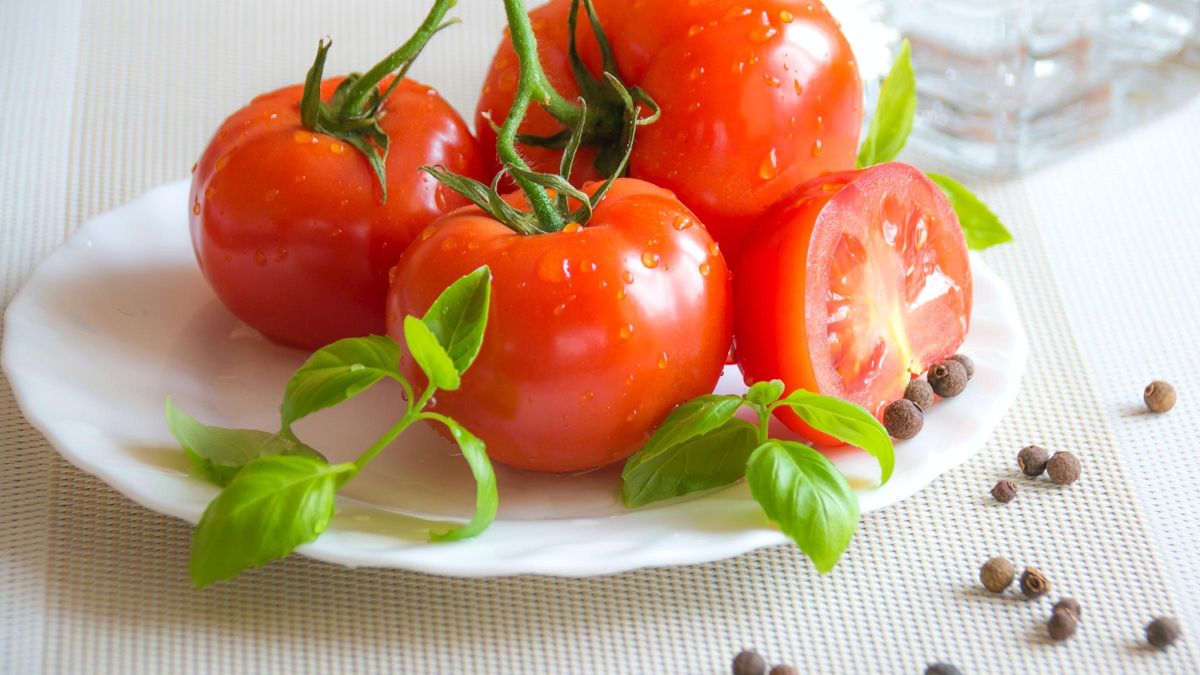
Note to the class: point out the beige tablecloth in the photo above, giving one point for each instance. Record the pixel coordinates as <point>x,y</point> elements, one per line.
<point>103,101</point>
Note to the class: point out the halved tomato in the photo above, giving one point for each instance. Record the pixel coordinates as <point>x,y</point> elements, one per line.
<point>857,283</point>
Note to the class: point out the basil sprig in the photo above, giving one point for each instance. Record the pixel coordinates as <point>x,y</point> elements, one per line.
<point>280,493</point>
<point>887,135</point>
<point>702,446</point>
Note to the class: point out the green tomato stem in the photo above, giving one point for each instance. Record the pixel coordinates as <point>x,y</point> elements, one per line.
<point>532,82</point>
<point>361,91</point>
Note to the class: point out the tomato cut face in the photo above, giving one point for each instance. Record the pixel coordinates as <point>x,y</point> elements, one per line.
<point>860,282</point>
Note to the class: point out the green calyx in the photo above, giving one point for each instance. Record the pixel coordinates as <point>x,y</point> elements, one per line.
<point>553,202</point>
<point>606,124</point>
<point>353,112</point>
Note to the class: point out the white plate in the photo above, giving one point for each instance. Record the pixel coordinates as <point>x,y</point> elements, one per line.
<point>119,317</point>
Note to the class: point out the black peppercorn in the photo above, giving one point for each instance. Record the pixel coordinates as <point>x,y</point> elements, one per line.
<point>967,364</point>
<point>1034,584</point>
<point>1069,605</point>
<point>749,662</point>
<point>1162,632</point>
<point>919,392</point>
<point>1032,460</point>
<point>903,419</point>
<point>1004,491</point>
<point>1063,468</point>
<point>942,669</point>
<point>1159,396</point>
<point>784,669</point>
<point>948,378</point>
<point>996,574</point>
<point>1062,624</point>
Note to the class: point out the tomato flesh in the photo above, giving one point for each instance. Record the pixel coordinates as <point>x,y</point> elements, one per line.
<point>860,282</point>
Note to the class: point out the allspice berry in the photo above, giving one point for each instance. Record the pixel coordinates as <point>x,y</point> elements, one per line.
<point>1069,605</point>
<point>749,662</point>
<point>947,378</point>
<point>996,574</point>
<point>1032,460</point>
<point>942,669</point>
<point>1034,584</point>
<point>919,392</point>
<point>1162,632</point>
<point>967,364</point>
<point>1062,624</point>
<point>1063,468</point>
<point>903,419</point>
<point>1004,491</point>
<point>784,669</point>
<point>1159,396</point>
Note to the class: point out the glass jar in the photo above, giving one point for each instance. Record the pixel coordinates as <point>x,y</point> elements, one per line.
<point>1006,85</point>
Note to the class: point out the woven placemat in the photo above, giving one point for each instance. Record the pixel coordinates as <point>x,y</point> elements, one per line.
<point>93,583</point>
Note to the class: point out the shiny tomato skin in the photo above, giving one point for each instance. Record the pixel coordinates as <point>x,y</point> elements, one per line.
<point>288,227</point>
<point>857,283</point>
<point>594,335</point>
<point>757,98</point>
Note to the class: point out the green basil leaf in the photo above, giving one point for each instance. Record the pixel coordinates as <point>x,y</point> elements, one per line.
<point>894,113</point>
<point>765,393</point>
<point>339,372</point>
<point>459,316</point>
<point>698,416</point>
<point>429,354</point>
<point>802,491</point>
<point>272,506</point>
<point>846,422</point>
<point>218,453</point>
<point>981,227</point>
<point>487,499</point>
<point>702,462</point>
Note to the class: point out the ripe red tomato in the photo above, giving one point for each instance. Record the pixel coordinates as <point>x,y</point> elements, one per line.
<point>595,334</point>
<point>757,97</point>
<point>288,227</point>
<point>856,284</point>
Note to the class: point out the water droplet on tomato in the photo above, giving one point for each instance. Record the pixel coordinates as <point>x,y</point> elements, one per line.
<point>681,223</point>
<point>558,311</point>
<point>772,81</point>
<point>695,30</point>
<point>281,255</point>
<point>626,332</point>
<point>303,137</point>
<point>820,123</point>
<point>337,148</point>
<point>768,168</point>
<point>714,249</point>
<point>662,361</point>
<point>194,166</point>
<point>260,258</point>
<point>392,273</point>
<point>650,259</point>
<point>797,86</point>
<point>817,147</point>
<point>553,268</point>
<point>270,195</point>
<point>439,197</point>
<point>696,73</point>
<point>209,192</point>
<point>693,106</point>
<point>627,276</point>
<point>472,245</point>
<point>629,380</point>
<point>427,233</point>
<point>760,34</point>
<point>221,163</point>
<point>786,16</point>
<point>572,227</point>
<point>196,207</point>
<point>631,416</point>
<point>705,269</point>
<point>449,244</point>
<point>589,395</point>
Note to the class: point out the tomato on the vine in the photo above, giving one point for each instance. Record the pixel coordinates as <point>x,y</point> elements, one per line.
<point>756,98</point>
<point>289,222</point>
<point>857,283</point>
<point>595,333</point>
